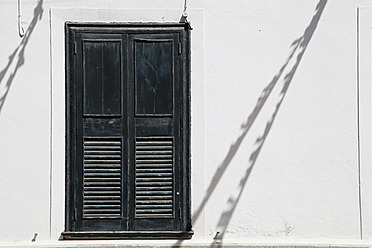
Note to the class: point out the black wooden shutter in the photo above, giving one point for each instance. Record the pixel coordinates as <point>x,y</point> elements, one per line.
<point>154,69</point>
<point>127,137</point>
<point>101,148</point>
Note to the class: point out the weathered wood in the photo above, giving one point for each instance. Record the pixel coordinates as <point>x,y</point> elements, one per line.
<point>127,141</point>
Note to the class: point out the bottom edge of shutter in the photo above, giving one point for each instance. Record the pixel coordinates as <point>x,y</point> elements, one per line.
<point>126,235</point>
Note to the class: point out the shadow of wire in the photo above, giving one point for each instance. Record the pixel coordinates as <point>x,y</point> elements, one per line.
<point>298,47</point>
<point>20,50</point>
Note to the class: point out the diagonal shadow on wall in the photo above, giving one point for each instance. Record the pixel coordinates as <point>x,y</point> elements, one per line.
<point>18,56</point>
<point>298,49</point>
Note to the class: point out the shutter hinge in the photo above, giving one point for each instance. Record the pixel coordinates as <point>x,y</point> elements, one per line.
<point>75,47</point>
<point>179,47</point>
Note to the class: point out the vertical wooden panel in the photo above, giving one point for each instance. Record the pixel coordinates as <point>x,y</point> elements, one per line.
<point>154,77</point>
<point>92,62</point>
<point>111,77</point>
<point>102,78</point>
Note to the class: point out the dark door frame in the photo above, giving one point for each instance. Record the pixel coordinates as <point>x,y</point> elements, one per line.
<point>70,49</point>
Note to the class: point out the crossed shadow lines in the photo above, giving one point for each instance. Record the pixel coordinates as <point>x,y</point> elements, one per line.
<point>18,56</point>
<point>298,49</point>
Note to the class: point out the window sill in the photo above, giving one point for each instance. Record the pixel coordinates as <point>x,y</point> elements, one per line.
<point>98,235</point>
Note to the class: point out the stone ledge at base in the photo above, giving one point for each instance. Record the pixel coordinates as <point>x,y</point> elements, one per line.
<point>156,244</point>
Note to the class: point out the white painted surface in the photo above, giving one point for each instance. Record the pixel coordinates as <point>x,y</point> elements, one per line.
<point>299,148</point>
<point>364,68</point>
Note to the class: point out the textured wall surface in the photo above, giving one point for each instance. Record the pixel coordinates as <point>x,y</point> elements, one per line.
<point>275,110</point>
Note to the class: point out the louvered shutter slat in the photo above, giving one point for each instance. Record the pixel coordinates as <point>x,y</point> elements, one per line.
<point>102,179</point>
<point>154,187</point>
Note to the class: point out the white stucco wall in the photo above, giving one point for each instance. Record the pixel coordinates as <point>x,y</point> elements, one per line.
<point>276,117</point>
